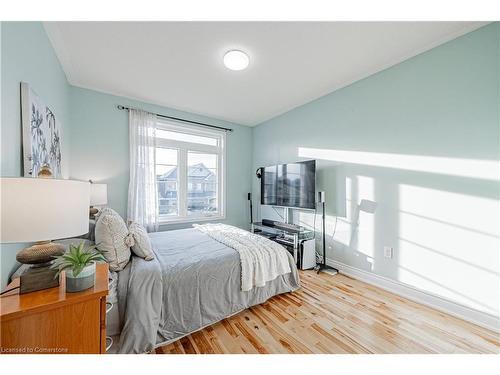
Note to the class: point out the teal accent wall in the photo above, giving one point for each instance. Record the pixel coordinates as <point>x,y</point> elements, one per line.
<point>95,133</point>
<point>437,115</point>
<point>27,55</point>
<point>443,226</point>
<point>100,150</point>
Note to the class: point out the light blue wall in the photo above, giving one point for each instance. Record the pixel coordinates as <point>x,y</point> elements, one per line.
<point>99,150</point>
<point>442,103</point>
<point>95,132</point>
<point>28,56</point>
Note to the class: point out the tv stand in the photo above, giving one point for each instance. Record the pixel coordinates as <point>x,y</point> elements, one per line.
<point>300,242</point>
<point>283,226</point>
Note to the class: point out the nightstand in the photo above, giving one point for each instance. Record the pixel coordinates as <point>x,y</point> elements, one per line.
<point>53,321</point>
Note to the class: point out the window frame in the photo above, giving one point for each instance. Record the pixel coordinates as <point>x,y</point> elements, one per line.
<point>183,149</point>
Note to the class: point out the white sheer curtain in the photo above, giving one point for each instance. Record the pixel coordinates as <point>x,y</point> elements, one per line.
<point>142,192</point>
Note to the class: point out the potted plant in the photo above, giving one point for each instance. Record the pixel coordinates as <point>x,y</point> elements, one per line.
<point>79,266</point>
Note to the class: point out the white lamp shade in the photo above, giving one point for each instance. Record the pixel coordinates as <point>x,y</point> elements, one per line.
<point>98,194</point>
<point>39,209</point>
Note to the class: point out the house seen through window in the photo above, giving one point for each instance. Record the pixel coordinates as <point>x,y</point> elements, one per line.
<point>189,172</point>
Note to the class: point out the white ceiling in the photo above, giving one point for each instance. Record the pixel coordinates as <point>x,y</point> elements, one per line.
<point>179,64</point>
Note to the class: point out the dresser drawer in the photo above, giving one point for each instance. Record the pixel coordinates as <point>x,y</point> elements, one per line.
<point>66,329</point>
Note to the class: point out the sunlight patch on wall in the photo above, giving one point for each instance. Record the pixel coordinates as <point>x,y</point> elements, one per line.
<point>344,226</point>
<point>357,230</point>
<point>365,220</point>
<point>449,245</point>
<point>472,168</point>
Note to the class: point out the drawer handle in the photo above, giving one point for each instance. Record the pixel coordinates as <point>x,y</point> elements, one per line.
<point>109,306</point>
<point>110,342</point>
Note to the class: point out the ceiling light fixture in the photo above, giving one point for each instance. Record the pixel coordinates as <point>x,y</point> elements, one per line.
<point>236,60</point>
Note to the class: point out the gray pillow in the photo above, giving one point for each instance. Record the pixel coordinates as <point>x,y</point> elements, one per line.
<point>142,243</point>
<point>113,238</point>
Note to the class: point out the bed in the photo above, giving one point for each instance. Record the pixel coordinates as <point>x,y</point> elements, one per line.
<point>194,281</point>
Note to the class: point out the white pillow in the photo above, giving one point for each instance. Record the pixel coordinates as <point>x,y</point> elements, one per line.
<point>142,243</point>
<point>112,237</point>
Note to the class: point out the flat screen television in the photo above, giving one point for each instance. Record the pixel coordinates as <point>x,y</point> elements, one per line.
<point>289,185</point>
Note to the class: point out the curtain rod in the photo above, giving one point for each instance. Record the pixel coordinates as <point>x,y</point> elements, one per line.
<point>122,107</point>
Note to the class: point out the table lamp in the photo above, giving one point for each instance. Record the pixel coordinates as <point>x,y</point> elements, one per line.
<point>40,210</point>
<point>98,197</point>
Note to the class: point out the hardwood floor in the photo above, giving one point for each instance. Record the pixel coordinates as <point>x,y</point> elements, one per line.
<point>338,314</point>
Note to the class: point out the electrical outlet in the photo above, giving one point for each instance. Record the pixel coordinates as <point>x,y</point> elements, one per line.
<point>388,252</point>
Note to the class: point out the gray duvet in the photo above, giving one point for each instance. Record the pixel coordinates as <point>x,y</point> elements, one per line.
<point>194,281</point>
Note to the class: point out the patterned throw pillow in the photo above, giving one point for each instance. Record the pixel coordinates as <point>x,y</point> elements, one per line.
<point>113,238</point>
<point>142,243</point>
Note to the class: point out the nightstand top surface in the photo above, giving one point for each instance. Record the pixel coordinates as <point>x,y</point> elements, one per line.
<point>13,304</point>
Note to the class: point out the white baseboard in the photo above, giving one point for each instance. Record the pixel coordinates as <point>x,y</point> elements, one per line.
<point>439,303</point>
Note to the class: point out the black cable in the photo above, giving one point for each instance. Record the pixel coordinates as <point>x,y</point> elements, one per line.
<point>314,223</point>
<point>275,210</point>
<point>323,237</point>
<point>335,228</point>
<point>310,226</point>
<point>318,255</point>
<point>9,290</point>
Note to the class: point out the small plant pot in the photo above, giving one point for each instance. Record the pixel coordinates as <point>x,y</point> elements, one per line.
<point>82,281</point>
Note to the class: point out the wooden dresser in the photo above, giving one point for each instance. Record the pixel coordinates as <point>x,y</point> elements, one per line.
<point>53,321</point>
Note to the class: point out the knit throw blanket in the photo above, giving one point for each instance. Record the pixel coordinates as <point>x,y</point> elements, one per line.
<point>261,259</point>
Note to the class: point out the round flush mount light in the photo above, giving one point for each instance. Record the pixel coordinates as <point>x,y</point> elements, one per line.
<point>236,60</point>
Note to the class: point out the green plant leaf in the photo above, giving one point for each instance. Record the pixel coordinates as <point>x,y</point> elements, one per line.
<point>97,257</point>
<point>77,258</point>
<point>77,269</point>
<point>62,268</point>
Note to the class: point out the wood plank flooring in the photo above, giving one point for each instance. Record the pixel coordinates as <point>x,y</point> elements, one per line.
<point>338,314</point>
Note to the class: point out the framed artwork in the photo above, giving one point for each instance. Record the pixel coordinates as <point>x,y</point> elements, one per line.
<point>41,135</point>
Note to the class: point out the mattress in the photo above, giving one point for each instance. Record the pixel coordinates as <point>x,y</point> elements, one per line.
<point>194,281</point>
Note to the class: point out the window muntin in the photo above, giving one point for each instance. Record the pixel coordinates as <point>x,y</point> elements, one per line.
<point>167,181</point>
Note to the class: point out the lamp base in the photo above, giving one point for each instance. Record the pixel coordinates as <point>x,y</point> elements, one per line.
<point>38,278</point>
<point>40,253</point>
<point>92,212</point>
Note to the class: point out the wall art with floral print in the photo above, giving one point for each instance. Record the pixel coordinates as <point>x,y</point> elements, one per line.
<point>41,135</point>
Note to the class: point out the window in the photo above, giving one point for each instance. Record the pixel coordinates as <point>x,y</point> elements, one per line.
<point>189,172</point>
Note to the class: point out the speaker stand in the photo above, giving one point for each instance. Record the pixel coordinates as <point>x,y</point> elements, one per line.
<point>251,207</point>
<point>326,269</point>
